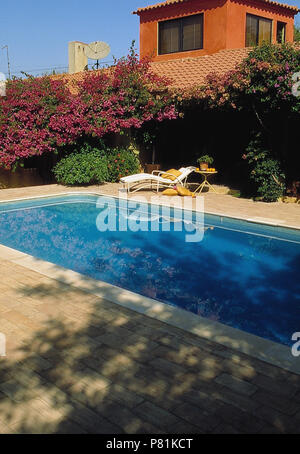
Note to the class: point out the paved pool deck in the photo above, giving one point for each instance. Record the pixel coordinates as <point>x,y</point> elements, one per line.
<point>78,363</point>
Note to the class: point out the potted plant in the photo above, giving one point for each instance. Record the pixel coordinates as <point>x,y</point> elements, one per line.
<point>205,161</point>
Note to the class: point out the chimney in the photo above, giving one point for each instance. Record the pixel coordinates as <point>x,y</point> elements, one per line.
<point>77,58</point>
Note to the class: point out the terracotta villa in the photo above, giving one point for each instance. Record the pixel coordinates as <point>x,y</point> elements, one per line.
<point>188,39</point>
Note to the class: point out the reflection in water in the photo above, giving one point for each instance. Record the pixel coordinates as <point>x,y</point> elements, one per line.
<point>246,281</point>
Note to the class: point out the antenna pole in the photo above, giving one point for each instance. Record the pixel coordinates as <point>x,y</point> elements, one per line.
<point>8,64</point>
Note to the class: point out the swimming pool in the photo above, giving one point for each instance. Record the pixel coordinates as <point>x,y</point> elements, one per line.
<point>242,274</point>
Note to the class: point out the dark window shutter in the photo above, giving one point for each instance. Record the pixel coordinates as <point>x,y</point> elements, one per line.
<point>192,36</point>
<point>169,37</point>
<point>258,30</point>
<point>178,35</point>
<point>265,31</point>
<point>251,31</point>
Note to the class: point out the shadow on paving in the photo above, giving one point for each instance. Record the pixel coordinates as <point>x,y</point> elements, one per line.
<point>95,367</point>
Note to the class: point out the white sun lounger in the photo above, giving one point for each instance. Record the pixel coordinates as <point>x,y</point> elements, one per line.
<point>154,180</point>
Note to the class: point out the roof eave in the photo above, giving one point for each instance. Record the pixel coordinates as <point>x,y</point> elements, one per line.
<point>139,11</point>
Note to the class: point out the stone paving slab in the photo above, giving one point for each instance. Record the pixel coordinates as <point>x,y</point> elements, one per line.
<point>77,363</point>
<point>56,380</point>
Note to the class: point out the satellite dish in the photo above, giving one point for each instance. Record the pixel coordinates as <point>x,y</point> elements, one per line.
<point>97,50</point>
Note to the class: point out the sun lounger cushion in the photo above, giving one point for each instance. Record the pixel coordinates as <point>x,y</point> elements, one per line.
<point>170,192</point>
<point>174,174</point>
<point>184,191</point>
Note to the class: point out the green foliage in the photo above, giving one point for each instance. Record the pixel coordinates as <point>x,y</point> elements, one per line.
<point>234,193</point>
<point>88,165</point>
<point>206,159</point>
<point>275,53</point>
<point>265,171</point>
<point>297,33</point>
<point>148,138</point>
<point>121,162</point>
<point>95,163</point>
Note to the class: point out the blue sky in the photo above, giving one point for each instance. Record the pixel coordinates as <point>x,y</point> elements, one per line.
<point>37,32</point>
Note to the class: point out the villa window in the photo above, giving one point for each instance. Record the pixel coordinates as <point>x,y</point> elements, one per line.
<point>258,30</point>
<point>179,35</point>
<point>280,36</point>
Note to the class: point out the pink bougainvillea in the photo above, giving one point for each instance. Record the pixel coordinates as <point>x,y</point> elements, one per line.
<point>25,114</point>
<point>38,115</point>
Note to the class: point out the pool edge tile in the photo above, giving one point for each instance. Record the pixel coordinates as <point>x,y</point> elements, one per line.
<point>7,253</point>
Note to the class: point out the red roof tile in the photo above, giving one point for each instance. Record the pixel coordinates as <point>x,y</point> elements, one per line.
<point>188,72</point>
<point>171,2</point>
<point>72,79</point>
<point>182,73</point>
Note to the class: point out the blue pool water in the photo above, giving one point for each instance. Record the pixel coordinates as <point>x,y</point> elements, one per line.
<point>242,274</point>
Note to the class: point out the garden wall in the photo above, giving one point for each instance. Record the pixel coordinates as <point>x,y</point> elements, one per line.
<point>225,136</point>
<point>20,178</point>
<point>221,135</point>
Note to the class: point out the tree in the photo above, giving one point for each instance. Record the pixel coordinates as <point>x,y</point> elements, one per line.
<point>297,33</point>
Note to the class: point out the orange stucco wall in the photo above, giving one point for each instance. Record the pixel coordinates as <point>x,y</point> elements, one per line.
<point>214,25</point>
<point>224,24</point>
<point>236,20</point>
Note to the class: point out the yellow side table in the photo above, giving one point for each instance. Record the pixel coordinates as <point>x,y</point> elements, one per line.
<point>205,182</point>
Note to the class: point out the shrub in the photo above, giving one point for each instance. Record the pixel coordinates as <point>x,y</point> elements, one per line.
<point>234,193</point>
<point>121,162</point>
<point>266,171</point>
<point>269,180</point>
<point>88,165</point>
